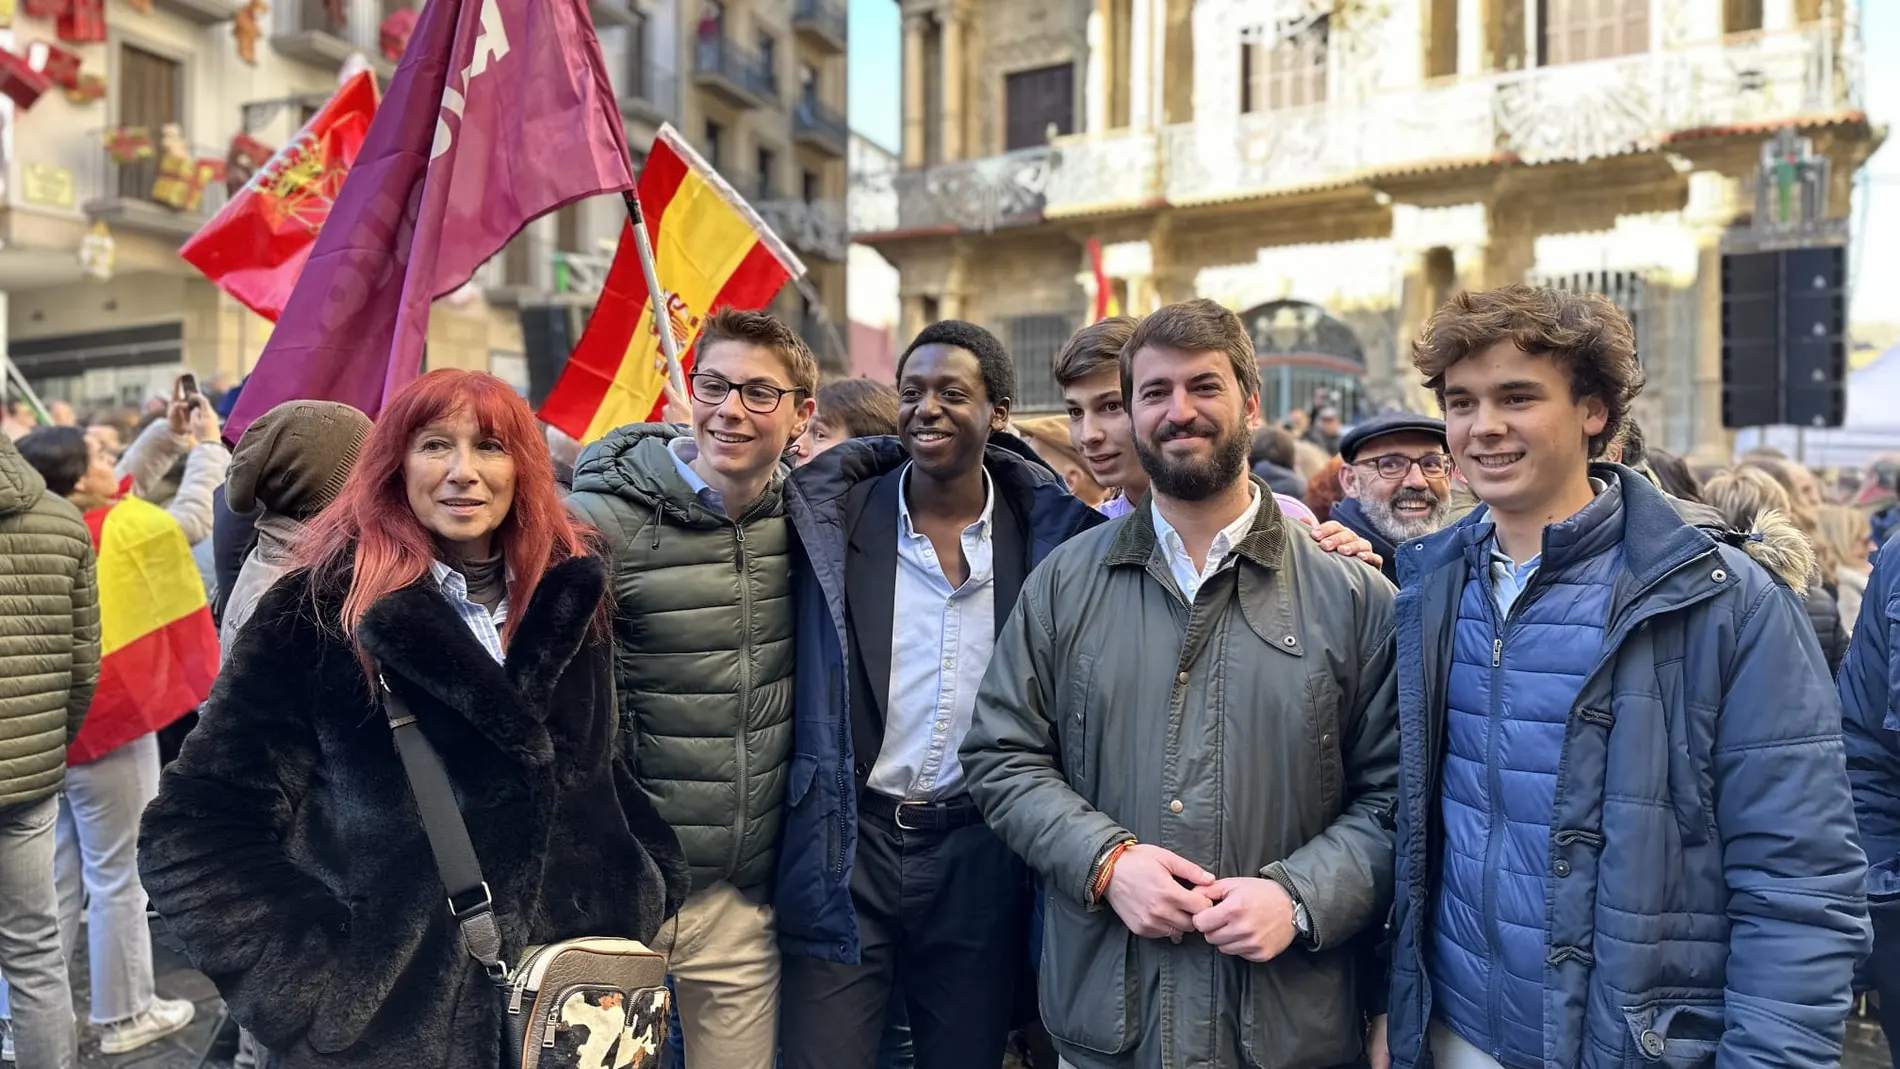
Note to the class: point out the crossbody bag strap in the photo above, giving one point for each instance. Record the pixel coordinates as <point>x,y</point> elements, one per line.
<point>469,900</point>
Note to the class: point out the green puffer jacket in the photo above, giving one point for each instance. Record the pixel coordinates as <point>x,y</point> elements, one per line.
<point>703,648</point>
<point>49,631</point>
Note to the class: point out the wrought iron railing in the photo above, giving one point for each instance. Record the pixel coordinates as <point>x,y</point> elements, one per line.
<point>811,118</point>
<point>817,228</point>
<point>717,54</point>
<point>827,17</point>
<point>981,194</point>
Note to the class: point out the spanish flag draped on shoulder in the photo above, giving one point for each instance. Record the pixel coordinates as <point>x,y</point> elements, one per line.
<point>158,648</point>
<point>710,251</point>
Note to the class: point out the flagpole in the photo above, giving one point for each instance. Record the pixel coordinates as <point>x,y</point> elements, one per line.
<point>656,297</point>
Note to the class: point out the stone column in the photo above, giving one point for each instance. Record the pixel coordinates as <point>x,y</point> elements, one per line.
<point>1714,203</point>
<point>910,319</point>
<point>1095,71</point>
<point>1470,36</point>
<point>953,95</point>
<point>916,108</point>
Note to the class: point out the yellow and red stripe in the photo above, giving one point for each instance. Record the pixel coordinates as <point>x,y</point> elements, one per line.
<point>158,648</point>
<point>709,249</point>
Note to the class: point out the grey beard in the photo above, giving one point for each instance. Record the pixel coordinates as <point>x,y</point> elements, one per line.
<point>1401,528</point>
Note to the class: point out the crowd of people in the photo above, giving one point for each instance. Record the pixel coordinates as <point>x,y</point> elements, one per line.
<point>918,733</point>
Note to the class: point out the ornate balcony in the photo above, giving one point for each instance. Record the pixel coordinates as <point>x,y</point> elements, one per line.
<point>978,195</point>
<point>132,195</point>
<point>1118,170</point>
<point>821,23</point>
<point>733,72</point>
<point>1573,112</point>
<point>816,229</point>
<point>818,127</point>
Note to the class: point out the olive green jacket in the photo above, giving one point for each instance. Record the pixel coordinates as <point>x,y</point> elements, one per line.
<point>702,647</point>
<point>49,631</point>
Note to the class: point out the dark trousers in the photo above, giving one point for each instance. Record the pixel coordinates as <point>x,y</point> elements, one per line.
<point>940,915</point>
<point>1883,971</point>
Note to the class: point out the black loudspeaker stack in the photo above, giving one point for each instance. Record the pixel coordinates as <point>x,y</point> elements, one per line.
<point>1784,341</point>
<point>547,336</point>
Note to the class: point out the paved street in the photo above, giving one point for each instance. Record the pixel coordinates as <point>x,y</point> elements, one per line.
<point>1866,1049</point>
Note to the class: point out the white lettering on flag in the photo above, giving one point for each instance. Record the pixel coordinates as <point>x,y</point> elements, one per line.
<point>491,45</point>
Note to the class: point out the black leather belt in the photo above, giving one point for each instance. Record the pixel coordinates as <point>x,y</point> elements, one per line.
<point>947,815</point>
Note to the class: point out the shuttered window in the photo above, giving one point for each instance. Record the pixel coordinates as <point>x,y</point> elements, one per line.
<point>150,95</point>
<point>1035,100</point>
<point>1575,31</point>
<point>1287,72</point>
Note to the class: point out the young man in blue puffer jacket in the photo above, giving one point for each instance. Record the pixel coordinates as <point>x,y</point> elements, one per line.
<point>1870,713</point>
<point>1624,828</point>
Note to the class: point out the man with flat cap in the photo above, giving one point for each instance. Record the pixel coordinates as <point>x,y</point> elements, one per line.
<point>1397,481</point>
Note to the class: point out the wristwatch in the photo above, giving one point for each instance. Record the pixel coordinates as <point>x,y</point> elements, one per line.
<point>1302,923</point>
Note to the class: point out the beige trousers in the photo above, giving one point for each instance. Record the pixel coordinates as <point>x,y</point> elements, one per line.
<point>722,950</point>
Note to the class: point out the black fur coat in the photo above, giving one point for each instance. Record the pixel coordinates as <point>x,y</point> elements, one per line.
<point>285,851</point>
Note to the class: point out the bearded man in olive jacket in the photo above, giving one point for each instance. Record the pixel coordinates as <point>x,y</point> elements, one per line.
<point>1190,719</point>
<point>703,653</point>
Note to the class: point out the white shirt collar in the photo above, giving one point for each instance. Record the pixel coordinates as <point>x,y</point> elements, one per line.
<point>909,530</point>
<point>1182,566</point>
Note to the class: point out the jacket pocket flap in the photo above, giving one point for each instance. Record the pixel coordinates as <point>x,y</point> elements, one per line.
<point>799,777</point>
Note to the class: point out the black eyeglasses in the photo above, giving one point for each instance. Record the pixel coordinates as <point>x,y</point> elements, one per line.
<point>762,398</point>
<point>1394,466</point>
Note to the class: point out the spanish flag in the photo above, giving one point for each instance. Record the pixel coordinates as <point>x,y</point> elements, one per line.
<point>1105,303</point>
<point>158,648</point>
<point>710,251</point>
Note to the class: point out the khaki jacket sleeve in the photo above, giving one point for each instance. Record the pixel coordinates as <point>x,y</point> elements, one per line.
<point>1344,875</point>
<point>85,642</point>
<point>1012,755</point>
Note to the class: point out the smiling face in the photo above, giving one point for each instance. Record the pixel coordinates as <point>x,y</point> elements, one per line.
<point>1100,429</point>
<point>740,444</point>
<point>1190,421</point>
<point>944,413</point>
<point>460,483</point>
<point>1408,507</point>
<point>1519,438</point>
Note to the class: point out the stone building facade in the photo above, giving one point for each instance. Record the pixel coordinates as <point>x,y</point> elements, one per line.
<point>1335,169</point>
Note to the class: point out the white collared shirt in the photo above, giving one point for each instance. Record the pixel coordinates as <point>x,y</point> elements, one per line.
<point>941,638</point>
<point>1186,576</point>
<point>484,625</point>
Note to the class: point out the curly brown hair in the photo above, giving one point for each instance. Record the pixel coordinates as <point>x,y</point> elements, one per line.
<point>1586,335</point>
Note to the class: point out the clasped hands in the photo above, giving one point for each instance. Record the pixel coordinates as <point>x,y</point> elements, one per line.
<point>1161,895</point>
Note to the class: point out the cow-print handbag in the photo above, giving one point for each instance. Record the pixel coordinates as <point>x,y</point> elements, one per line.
<point>591,1003</point>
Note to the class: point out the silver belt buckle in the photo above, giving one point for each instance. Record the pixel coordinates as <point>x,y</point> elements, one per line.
<point>901,806</point>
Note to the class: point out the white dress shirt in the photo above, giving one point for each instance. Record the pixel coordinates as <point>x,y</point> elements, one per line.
<point>1186,576</point>
<point>941,638</point>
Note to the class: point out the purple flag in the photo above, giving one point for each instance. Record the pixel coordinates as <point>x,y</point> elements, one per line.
<point>499,112</point>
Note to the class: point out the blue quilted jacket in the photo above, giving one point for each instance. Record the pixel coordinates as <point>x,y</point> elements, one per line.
<point>1704,901</point>
<point>1870,706</point>
<point>1513,681</point>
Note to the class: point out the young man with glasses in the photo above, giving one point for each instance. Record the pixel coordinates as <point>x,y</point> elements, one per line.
<point>703,646</point>
<point>1397,481</point>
